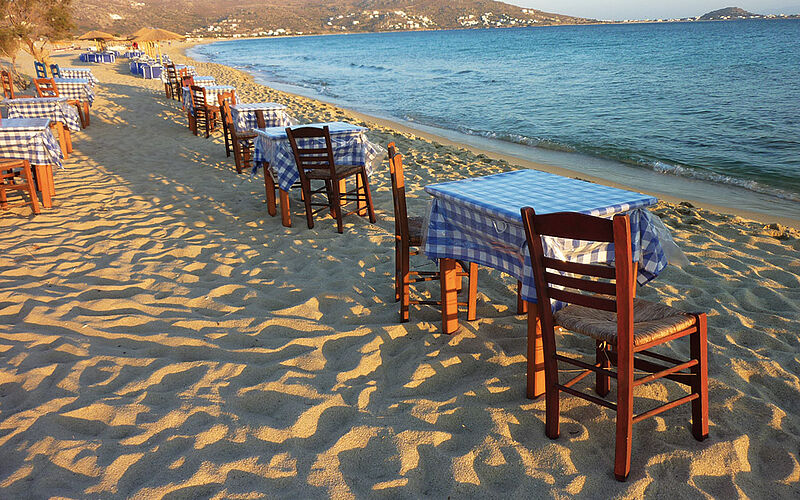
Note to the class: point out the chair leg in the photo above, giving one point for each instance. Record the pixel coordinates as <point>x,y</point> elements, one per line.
<point>622,453</point>
<point>522,305</point>
<point>31,190</point>
<point>602,382</point>
<point>472,292</point>
<point>329,193</point>
<point>405,283</point>
<point>368,194</point>
<point>699,351</point>
<point>307,199</point>
<point>551,398</point>
<point>86,111</point>
<point>336,204</point>
<point>3,198</point>
<point>237,156</point>
<point>398,280</point>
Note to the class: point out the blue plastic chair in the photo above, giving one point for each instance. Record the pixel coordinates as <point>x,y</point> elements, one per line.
<point>55,71</point>
<point>41,69</point>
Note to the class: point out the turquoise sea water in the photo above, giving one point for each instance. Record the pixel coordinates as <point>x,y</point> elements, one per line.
<point>713,101</point>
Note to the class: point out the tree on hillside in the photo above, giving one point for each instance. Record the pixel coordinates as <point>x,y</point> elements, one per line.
<point>32,23</point>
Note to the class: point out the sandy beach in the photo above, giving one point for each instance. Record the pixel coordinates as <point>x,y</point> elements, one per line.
<point>163,337</point>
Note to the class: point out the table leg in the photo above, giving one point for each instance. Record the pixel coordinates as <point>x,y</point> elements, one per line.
<point>86,111</point>
<point>447,277</point>
<point>286,217</point>
<point>59,131</point>
<point>44,181</point>
<point>68,139</point>
<point>522,304</point>
<point>342,191</point>
<point>535,382</point>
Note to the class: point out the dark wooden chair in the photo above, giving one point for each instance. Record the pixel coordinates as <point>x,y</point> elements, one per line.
<point>46,87</point>
<point>41,69</point>
<point>172,87</point>
<point>602,305</point>
<point>230,97</point>
<point>241,142</point>
<point>317,163</point>
<point>7,80</point>
<point>408,233</point>
<point>55,71</point>
<point>205,114</point>
<point>12,171</point>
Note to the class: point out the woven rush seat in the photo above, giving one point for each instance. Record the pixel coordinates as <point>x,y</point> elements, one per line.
<point>651,322</point>
<point>341,170</point>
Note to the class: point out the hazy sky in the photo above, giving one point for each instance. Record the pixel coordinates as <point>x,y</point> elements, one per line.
<point>655,9</point>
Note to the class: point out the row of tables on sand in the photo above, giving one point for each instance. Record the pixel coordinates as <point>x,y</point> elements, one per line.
<point>472,220</point>
<point>38,129</point>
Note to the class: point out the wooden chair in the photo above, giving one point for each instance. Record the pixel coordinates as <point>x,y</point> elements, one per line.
<point>8,84</point>
<point>241,142</point>
<point>408,233</point>
<point>317,163</point>
<point>46,87</point>
<point>55,71</point>
<point>205,114</point>
<point>230,98</point>
<point>41,69</point>
<point>10,172</point>
<point>603,306</point>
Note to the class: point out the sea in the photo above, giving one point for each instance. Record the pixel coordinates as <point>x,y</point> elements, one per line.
<point>700,110</point>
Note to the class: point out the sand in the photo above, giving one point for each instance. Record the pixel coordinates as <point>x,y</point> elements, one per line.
<point>163,336</point>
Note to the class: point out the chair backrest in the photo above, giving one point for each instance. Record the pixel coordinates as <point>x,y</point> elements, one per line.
<point>229,96</point>
<point>183,72</point>
<point>398,193</point>
<point>225,110</point>
<point>55,71</point>
<point>41,69</point>
<point>595,286</point>
<point>187,81</point>
<point>8,84</point>
<point>311,156</point>
<point>172,74</point>
<point>198,96</point>
<point>46,87</point>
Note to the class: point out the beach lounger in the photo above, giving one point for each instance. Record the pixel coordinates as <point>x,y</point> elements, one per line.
<point>602,306</point>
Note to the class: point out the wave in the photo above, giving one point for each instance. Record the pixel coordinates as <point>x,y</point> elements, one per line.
<point>659,166</point>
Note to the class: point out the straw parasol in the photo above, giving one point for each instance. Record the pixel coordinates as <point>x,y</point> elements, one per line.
<point>98,36</point>
<point>152,36</point>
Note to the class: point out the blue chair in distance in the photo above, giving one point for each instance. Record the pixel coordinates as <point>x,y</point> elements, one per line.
<point>41,69</point>
<point>55,71</point>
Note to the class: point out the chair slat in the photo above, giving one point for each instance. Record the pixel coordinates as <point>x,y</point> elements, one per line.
<point>575,226</point>
<point>577,268</point>
<point>582,284</point>
<point>593,302</point>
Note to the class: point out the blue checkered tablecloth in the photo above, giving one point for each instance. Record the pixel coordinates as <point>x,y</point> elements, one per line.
<point>79,73</point>
<point>350,147</point>
<point>75,88</point>
<point>478,220</point>
<point>29,139</point>
<point>178,67</point>
<point>212,91</point>
<point>54,108</point>
<point>244,115</point>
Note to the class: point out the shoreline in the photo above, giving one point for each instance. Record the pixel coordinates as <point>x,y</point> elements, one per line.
<point>505,152</point>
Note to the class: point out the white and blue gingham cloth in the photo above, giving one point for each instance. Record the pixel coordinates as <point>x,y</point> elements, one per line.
<point>190,70</point>
<point>478,220</point>
<point>54,108</point>
<point>244,115</point>
<point>29,139</point>
<point>75,89</point>
<point>349,143</point>
<point>212,91</point>
<point>79,73</point>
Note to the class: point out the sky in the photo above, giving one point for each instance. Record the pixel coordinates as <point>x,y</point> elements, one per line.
<point>655,9</point>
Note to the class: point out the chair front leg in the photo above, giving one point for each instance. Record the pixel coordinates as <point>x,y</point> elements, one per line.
<point>336,204</point>
<point>370,209</point>
<point>306,186</point>
<point>699,351</point>
<point>622,452</point>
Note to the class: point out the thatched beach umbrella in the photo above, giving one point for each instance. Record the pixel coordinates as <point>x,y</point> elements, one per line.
<point>98,36</point>
<point>152,36</point>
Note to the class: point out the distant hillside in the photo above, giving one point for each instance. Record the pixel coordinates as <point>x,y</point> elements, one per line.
<point>271,17</point>
<point>728,13</point>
